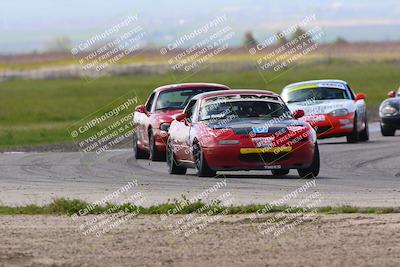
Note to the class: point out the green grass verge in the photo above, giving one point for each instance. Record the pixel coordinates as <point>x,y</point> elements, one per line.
<point>41,111</point>
<point>63,206</point>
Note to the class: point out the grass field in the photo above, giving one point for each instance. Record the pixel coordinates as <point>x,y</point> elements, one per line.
<point>66,206</point>
<point>41,111</point>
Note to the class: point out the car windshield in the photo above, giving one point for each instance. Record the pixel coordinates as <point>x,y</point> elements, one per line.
<point>318,93</point>
<point>243,109</point>
<point>177,99</point>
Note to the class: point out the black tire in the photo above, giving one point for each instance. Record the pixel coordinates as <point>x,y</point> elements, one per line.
<point>154,154</point>
<point>354,137</point>
<point>173,167</point>
<point>202,168</point>
<point>387,130</point>
<point>280,172</point>
<point>137,151</point>
<point>364,135</point>
<point>314,167</point>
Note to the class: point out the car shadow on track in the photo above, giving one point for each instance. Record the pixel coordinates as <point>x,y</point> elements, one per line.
<point>260,176</point>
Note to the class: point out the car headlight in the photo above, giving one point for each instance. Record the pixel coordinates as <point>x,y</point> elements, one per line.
<point>388,110</point>
<point>165,126</point>
<point>228,142</point>
<point>339,112</point>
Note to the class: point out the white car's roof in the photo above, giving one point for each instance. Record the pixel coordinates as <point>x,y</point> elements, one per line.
<point>316,81</point>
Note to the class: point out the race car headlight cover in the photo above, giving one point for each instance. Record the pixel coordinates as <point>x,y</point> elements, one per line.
<point>339,112</point>
<point>388,110</point>
<point>165,126</point>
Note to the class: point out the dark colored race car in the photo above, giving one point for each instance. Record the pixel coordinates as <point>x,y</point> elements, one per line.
<point>241,130</point>
<point>152,120</point>
<point>389,111</point>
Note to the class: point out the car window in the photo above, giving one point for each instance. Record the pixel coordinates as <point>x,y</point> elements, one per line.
<point>177,99</point>
<point>317,93</point>
<point>150,101</point>
<point>243,109</point>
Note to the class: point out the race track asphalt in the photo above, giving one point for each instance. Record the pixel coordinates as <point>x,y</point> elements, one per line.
<point>363,174</point>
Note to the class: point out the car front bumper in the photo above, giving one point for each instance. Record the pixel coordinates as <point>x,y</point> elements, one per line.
<point>392,122</point>
<point>329,126</point>
<point>231,157</point>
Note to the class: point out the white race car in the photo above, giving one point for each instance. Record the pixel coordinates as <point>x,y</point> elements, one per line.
<point>330,107</point>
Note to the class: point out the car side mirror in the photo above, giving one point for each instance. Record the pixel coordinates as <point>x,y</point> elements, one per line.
<point>181,117</point>
<point>360,96</point>
<point>141,109</point>
<point>391,94</point>
<point>297,114</point>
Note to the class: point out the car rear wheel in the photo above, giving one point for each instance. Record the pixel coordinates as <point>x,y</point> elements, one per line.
<point>137,151</point>
<point>155,155</point>
<point>313,170</point>
<point>387,130</point>
<point>280,172</point>
<point>354,136</point>
<point>202,168</point>
<point>364,135</point>
<point>173,167</point>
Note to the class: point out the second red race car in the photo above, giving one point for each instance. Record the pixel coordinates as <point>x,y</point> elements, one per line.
<point>152,120</point>
<point>241,130</point>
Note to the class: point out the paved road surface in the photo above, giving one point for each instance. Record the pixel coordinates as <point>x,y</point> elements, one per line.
<point>364,174</point>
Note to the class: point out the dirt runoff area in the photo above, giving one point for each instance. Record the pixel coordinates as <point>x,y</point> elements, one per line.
<point>230,240</point>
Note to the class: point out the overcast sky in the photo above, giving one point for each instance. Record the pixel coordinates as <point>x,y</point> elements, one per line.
<point>26,25</point>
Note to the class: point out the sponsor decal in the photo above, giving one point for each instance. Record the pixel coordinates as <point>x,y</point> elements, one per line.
<point>318,85</point>
<point>258,130</point>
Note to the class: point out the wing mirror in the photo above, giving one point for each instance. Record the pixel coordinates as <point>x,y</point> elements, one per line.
<point>360,97</point>
<point>141,109</point>
<point>181,117</point>
<point>391,94</point>
<point>297,114</point>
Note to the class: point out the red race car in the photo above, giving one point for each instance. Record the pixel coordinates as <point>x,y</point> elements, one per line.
<point>152,120</point>
<point>241,130</point>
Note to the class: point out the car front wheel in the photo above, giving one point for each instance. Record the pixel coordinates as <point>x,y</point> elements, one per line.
<point>354,136</point>
<point>202,168</point>
<point>137,151</point>
<point>364,135</point>
<point>314,167</point>
<point>387,130</point>
<point>173,166</point>
<point>155,155</point>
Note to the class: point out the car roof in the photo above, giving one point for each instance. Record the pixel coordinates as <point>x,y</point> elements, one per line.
<point>316,81</point>
<point>189,85</point>
<point>234,92</point>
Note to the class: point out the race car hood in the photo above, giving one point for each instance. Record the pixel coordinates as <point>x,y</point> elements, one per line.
<point>246,126</point>
<point>322,106</point>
